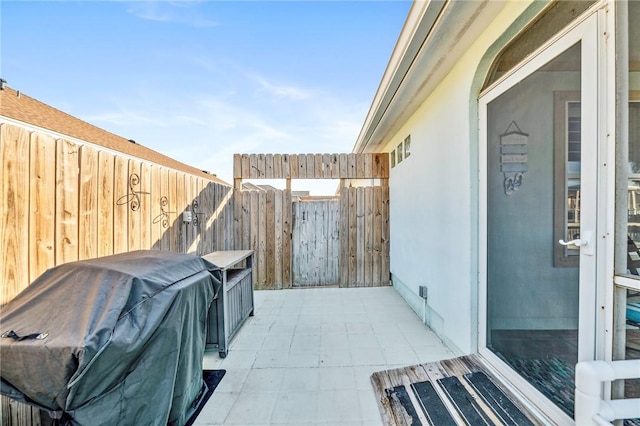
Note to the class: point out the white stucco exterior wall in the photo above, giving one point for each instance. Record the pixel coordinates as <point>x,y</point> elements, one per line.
<point>434,199</point>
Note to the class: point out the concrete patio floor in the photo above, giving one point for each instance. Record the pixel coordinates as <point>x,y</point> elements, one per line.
<point>307,355</point>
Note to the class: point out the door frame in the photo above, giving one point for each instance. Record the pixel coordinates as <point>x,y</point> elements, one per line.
<point>594,178</point>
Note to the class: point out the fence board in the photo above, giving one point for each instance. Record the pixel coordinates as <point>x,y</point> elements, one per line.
<point>311,166</point>
<point>145,206</point>
<point>14,157</point>
<point>88,203</point>
<point>286,239</point>
<point>253,167</point>
<point>166,214</point>
<point>155,213</point>
<point>326,166</point>
<point>385,236</point>
<point>260,165</point>
<point>294,168</point>
<point>344,234</point>
<point>352,166</point>
<point>246,219</point>
<point>237,166</point>
<point>302,166</point>
<point>246,166</point>
<point>42,205</point>
<point>277,166</point>
<point>135,220</point>
<point>360,232</point>
<point>66,201</point>
<point>286,166</point>
<point>181,207</point>
<point>201,229</point>
<point>377,237</point>
<point>106,203</point>
<point>203,187</point>
<point>270,234</point>
<point>214,191</point>
<point>360,162</point>
<point>262,238</point>
<point>228,226</point>
<point>220,208</point>
<point>187,227</point>
<point>194,201</point>
<point>278,233</point>
<point>335,166</point>
<point>237,210</point>
<point>317,165</point>
<point>205,224</point>
<point>381,165</point>
<point>254,228</point>
<point>121,207</point>
<point>268,166</point>
<point>368,236</point>
<point>174,222</point>
<point>353,238</point>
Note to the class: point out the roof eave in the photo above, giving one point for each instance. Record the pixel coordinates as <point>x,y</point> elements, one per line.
<point>432,40</point>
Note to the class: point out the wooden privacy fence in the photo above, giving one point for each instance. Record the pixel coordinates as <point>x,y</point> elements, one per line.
<point>64,201</point>
<point>264,218</point>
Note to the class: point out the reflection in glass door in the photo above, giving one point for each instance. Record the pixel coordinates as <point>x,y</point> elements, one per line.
<point>535,189</point>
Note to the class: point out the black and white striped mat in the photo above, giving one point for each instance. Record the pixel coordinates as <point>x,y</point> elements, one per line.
<point>451,392</point>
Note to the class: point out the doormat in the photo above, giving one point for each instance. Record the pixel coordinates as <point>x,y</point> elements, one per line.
<point>458,391</point>
<point>212,378</point>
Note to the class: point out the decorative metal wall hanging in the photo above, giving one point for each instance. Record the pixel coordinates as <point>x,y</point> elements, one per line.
<point>164,215</point>
<point>513,157</point>
<point>196,214</point>
<point>133,197</point>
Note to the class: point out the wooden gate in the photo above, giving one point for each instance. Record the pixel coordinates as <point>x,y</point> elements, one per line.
<point>316,242</point>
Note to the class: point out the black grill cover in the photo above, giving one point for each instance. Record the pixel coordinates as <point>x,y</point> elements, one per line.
<point>124,343</point>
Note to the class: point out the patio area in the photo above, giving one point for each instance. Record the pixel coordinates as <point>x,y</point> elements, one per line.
<point>307,355</point>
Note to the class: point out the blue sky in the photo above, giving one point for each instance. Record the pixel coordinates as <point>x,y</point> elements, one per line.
<point>200,81</point>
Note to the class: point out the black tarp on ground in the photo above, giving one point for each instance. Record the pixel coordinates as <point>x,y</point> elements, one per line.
<point>125,338</point>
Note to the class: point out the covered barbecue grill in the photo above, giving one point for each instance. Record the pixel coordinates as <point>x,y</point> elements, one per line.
<point>116,340</point>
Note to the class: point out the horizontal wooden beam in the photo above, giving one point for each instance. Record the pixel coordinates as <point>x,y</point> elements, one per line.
<point>311,166</point>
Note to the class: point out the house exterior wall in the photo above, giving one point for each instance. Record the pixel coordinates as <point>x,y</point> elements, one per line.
<point>434,198</point>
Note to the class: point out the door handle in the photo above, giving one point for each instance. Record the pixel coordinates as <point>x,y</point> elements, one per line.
<point>577,242</point>
<point>584,243</point>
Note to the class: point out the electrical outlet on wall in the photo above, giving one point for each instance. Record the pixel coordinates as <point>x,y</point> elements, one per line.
<point>423,291</point>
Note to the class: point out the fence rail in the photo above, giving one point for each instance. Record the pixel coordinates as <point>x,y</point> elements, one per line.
<point>311,166</point>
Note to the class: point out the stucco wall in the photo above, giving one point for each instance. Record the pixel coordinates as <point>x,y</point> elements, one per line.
<point>434,200</point>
